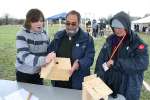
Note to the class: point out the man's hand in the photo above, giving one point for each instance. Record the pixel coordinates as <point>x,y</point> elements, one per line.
<point>51,56</point>
<point>74,67</point>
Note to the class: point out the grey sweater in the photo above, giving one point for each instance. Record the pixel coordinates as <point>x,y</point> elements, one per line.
<point>31,51</point>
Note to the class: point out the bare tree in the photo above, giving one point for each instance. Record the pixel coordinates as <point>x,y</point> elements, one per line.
<point>6,19</point>
<point>147,14</point>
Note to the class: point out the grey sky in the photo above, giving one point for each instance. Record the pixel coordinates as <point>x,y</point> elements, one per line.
<point>89,8</point>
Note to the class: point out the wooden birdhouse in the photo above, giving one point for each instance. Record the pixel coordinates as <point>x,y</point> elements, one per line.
<point>95,89</point>
<point>58,69</point>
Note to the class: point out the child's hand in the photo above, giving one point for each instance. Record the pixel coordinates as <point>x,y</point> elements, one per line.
<point>51,56</point>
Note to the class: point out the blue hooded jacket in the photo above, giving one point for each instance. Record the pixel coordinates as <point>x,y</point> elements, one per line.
<point>126,75</point>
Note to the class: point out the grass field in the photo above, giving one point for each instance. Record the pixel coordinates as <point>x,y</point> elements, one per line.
<point>8,53</point>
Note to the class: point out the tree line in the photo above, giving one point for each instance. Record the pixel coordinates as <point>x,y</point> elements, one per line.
<point>7,20</point>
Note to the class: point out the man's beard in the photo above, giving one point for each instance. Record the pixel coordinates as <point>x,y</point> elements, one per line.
<point>72,33</point>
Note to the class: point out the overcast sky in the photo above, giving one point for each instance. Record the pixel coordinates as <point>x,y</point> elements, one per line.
<point>89,8</point>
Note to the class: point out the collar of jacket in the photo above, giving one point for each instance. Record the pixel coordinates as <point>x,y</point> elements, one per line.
<point>83,35</point>
<point>28,31</point>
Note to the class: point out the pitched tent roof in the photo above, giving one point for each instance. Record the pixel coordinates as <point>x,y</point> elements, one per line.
<point>145,20</point>
<point>58,16</point>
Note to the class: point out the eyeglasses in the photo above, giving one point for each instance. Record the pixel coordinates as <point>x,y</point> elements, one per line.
<point>72,24</point>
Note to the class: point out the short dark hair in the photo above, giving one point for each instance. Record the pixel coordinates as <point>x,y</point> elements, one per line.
<point>33,15</point>
<point>73,12</point>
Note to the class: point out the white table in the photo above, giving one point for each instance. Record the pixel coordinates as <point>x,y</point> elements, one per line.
<point>44,92</point>
<point>40,91</point>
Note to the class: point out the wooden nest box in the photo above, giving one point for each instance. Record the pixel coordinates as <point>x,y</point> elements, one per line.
<point>58,69</point>
<point>95,89</point>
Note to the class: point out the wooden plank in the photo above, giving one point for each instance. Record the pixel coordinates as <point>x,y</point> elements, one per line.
<point>146,85</point>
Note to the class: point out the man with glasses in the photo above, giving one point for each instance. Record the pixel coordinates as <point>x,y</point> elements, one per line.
<point>77,45</point>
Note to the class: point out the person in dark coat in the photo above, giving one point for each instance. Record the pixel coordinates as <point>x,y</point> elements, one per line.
<point>77,45</point>
<point>123,59</point>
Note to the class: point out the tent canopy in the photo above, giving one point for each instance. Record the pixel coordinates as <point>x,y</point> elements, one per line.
<point>58,16</point>
<point>145,20</point>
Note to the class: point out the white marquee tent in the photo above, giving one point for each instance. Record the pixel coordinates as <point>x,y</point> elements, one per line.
<point>145,20</point>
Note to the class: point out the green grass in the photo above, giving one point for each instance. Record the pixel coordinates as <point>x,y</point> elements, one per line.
<point>146,39</point>
<point>8,53</point>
